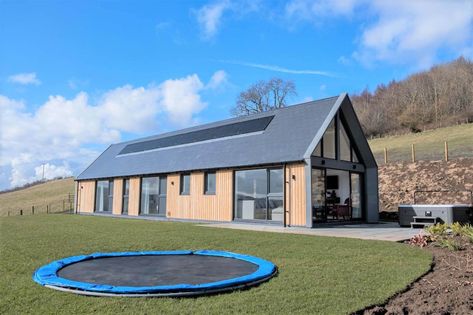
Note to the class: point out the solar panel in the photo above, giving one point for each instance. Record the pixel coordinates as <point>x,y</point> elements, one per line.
<point>234,129</point>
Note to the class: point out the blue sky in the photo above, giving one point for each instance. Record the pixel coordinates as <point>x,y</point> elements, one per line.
<point>77,76</point>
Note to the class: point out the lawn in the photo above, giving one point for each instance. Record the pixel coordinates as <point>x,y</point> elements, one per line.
<point>316,274</point>
<point>51,194</point>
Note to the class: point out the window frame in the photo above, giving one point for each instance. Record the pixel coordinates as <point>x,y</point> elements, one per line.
<point>206,183</point>
<point>125,196</point>
<point>181,184</point>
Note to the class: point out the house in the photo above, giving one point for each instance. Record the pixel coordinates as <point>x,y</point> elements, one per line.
<point>296,166</point>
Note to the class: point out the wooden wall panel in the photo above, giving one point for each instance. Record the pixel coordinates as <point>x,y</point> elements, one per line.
<point>197,205</point>
<point>117,196</point>
<point>295,195</point>
<point>86,196</point>
<point>134,197</point>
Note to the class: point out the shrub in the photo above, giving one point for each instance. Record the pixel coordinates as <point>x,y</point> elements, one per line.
<point>420,240</point>
<point>437,231</point>
<point>457,229</point>
<point>449,243</point>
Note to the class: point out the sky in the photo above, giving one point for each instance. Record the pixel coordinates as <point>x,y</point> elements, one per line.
<point>76,76</point>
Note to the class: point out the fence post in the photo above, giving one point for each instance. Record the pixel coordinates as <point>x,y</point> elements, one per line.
<point>446,151</point>
<point>63,206</point>
<point>32,209</point>
<point>413,153</point>
<point>47,208</point>
<point>21,211</point>
<point>385,155</point>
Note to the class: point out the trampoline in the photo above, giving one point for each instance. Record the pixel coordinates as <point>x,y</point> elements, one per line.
<point>155,273</point>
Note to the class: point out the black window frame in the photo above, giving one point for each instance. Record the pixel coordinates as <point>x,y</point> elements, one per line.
<point>206,183</point>
<point>182,192</point>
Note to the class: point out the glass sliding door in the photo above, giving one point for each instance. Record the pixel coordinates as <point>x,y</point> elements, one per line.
<point>153,196</point>
<point>104,196</point>
<point>275,195</point>
<point>259,195</point>
<point>318,195</point>
<point>356,209</point>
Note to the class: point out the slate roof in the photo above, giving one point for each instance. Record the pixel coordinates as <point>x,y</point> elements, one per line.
<point>287,138</point>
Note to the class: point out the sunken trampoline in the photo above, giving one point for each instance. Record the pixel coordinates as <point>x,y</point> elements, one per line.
<point>155,273</point>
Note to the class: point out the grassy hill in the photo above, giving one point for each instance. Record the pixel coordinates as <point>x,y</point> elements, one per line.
<point>51,193</point>
<point>429,145</point>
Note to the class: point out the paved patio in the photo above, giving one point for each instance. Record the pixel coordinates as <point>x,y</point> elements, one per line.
<point>388,231</point>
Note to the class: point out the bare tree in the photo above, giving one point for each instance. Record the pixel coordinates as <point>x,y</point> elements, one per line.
<point>263,96</point>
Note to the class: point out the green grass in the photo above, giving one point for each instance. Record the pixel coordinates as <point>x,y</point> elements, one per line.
<point>429,145</point>
<point>51,193</point>
<point>316,274</point>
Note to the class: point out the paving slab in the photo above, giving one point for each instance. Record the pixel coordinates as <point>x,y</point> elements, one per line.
<point>382,231</point>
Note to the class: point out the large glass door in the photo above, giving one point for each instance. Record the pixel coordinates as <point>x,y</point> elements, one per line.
<point>318,195</point>
<point>153,196</point>
<point>356,211</point>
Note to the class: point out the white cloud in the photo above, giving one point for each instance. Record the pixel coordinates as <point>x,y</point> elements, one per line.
<point>63,129</point>
<point>210,15</point>
<point>402,31</point>
<point>218,79</point>
<point>24,78</point>
<point>418,29</point>
<point>181,98</point>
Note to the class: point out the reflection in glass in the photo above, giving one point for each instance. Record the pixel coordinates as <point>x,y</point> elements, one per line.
<point>356,196</point>
<point>259,194</point>
<point>126,192</point>
<point>344,144</point>
<point>329,141</point>
<point>104,196</point>
<point>318,194</point>
<point>153,196</point>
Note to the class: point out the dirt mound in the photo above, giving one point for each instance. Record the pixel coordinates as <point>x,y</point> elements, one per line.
<point>447,289</point>
<point>398,181</point>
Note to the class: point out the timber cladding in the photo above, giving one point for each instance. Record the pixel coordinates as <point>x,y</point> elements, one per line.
<point>134,196</point>
<point>295,193</point>
<point>86,196</point>
<point>117,196</point>
<point>197,205</point>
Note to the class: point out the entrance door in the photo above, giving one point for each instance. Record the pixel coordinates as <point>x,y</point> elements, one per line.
<point>153,196</point>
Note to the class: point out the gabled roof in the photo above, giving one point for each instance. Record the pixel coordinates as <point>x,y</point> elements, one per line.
<point>288,135</point>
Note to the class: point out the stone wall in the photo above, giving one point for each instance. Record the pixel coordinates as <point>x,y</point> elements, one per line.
<point>398,181</point>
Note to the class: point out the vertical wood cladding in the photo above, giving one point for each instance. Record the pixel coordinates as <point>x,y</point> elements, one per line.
<point>117,196</point>
<point>86,196</point>
<point>295,195</point>
<point>197,205</point>
<point>134,197</point>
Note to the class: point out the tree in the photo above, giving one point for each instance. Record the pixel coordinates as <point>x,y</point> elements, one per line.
<point>263,96</point>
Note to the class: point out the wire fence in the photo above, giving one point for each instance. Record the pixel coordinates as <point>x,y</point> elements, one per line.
<point>423,152</point>
<point>65,204</point>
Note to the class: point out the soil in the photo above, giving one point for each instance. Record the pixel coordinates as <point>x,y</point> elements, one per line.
<point>446,289</point>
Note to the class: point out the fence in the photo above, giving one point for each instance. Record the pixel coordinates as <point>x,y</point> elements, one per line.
<point>421,151</point>
<point>64,204</point>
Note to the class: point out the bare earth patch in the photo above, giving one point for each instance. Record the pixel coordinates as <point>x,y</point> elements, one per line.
<point>446,289</point>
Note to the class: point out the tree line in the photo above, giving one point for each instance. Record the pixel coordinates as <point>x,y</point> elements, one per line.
<point>439,97</point>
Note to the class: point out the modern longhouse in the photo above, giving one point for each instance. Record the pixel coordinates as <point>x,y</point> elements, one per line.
<point>296,166</point>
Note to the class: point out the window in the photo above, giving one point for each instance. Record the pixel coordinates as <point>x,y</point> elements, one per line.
<point>104,196</point>
<point>126,192</point>
<point>329,145</point>
<point>345,146</point>
<point>185,184</point>
<point>210,183</point>
<point>259,194</point>
<point>153,196</point>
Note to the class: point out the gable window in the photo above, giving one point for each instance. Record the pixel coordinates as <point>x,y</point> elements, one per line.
<point>185,184</point>
<point>345,146</point>
<point>210,183</point>
<point>329,142</point>
<point>126,191</point>
<point>104,196</point>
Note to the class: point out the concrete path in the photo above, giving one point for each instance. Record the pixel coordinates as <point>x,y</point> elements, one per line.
<point>382,231</point>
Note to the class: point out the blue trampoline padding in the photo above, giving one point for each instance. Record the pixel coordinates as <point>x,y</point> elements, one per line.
<point>47,275</point>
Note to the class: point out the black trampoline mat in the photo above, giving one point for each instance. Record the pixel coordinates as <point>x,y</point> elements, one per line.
<point>155,270</point>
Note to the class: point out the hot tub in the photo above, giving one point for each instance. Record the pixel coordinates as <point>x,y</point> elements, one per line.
<point>445,213</point>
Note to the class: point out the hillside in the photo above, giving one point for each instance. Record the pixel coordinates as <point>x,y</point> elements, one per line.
<point>51,193</point>
<point>429,145</point>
